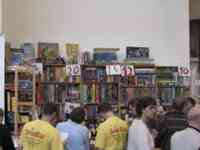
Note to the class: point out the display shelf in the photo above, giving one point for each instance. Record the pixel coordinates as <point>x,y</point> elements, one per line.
<point>57,82</point>
<point>25,103</point>
<point>18,88</point>
<point>54,65</point>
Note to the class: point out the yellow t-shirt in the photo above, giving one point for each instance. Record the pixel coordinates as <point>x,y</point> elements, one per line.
<point>112,134</point>
<point>40,135</point>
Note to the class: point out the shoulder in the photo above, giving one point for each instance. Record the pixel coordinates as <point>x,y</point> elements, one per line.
<point>61,124</point>
<point>124,123</point>
<point>137,124</point>
<point>84,128</point>
<point>101,125</point>
<point>180,135</point>
<point>29,124</point>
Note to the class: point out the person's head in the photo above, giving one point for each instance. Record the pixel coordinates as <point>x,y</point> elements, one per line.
<point>193,116</point>
<point>146,108</point>
<point>1,115</point>
<point>183,104</point>
<point>51,112</point>
<point>188,104</point>
<point>178,104</point>
<point>78,115</point>
<point>132,105</point>
<point>105,110</point>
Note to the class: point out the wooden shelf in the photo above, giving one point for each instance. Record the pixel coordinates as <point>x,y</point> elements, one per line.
<point>57,82</point>
<point>19,68</point>
<point>98,82</point>
<point>25,103</point>
<point>93,65</point>
<point>54,65</point>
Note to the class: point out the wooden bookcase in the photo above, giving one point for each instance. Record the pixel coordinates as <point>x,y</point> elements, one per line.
<point>20,96</point>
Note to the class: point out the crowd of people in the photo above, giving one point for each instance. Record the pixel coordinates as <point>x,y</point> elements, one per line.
<point>153,127</point>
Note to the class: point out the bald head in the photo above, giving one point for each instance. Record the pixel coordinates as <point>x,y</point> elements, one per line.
<point>194,114</point>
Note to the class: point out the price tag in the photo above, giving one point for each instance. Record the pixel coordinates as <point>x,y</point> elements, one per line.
<point>38,68</point>
<point>127,70</point>
<point>184,71</point>
<point>73,70</point>
<point>113,69</point>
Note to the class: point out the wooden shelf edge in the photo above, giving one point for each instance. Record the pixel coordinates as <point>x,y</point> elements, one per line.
<point>25,103</point>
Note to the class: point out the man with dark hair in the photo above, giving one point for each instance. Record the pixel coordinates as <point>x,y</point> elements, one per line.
<point>6,142</point>
<point>78,135</point>
<point>189,103</point>
<point>111,134</point>
<point>131,110</point>
<point>140,137</point>
<point>188,139</point>
<point>173,121</point>
<point>41,134</point>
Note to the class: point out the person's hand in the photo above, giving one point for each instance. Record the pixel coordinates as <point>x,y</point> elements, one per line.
<point>154,133</point>
<point>65,142</point>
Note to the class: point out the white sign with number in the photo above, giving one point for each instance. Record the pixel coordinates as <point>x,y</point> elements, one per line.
<point>127,70</point>
<point>38,68</point>
<point>73,70</point>
<point>113,69</point>
<point>184,71</point>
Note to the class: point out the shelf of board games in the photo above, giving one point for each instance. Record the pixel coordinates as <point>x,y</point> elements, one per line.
<point>19,96</point>
<point>93,79</point>
<point>144,81</point>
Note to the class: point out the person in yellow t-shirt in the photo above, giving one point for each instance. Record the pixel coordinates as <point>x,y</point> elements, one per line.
<point>41,134</point>
<point>111,134</point>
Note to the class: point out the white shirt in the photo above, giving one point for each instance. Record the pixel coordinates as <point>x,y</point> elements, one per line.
<point>188,139</point>
<point>139,136</point>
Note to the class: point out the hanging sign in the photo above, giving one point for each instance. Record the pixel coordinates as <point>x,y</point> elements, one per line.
<point>73,70</point>
<point>127,70</point>
<point>113,69</point>
<point>184,71</point>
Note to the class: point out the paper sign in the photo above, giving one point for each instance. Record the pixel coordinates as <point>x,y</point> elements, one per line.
<point>184,71</point>
<point>113,69</point>
<point>69,107</point>
<point>127,70</point>
<point>38,68</point>
<point>73,70</point>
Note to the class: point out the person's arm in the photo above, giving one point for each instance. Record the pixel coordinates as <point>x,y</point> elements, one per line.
<point>56,142</point>
<point>1,143</point>
<point>174,145</point>
<point>98,149</point>
<point>161,132</point>
<point>142,139</point>
<point>86,139</point>
<point>8,142</point>
<point>100,141</point>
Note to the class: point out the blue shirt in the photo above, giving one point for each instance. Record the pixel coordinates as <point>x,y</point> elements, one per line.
<point>78,135</point>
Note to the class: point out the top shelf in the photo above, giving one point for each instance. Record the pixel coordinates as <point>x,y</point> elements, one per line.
<point>54,65</point>
<point>21,69</point>
<point>104,65</point>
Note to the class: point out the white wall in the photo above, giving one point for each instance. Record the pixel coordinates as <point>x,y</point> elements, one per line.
<point>2,50</point>
<point>2,73</point>
<point>194,9</point>
<point>1,10</point>
<point>162,25</point>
